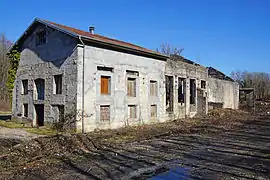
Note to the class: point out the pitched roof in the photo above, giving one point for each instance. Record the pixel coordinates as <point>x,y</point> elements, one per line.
<point>98,38</point>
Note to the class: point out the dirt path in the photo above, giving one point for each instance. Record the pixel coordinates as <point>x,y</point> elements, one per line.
<point>242,153</point>
<point>16,133</point>
<point>12,136</point>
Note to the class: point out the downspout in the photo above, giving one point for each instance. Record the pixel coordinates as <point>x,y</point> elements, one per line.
<point>80,38</point>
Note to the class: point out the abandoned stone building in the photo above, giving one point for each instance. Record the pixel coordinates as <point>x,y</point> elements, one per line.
<point>108,83</point>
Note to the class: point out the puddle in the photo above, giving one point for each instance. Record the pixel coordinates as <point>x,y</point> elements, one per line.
<point>176,171</point>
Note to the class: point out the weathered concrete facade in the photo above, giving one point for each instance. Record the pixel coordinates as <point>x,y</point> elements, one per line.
<point>223,91</point>
<point>179,68</point>
<point>106,83</point>
<point>118,101</point>
<point>57,57</point>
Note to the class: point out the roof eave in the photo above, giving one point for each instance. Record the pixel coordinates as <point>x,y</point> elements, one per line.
<point>159,56</point>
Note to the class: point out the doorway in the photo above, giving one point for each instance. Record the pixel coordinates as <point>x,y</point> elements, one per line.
<point>169,93</point>
<point>39,114</point>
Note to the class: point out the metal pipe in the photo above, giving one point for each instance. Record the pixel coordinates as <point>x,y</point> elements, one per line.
<point>80,38</point>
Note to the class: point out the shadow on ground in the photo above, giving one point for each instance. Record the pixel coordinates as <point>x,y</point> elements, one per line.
<point>5,117</point>
<point>242,153</point>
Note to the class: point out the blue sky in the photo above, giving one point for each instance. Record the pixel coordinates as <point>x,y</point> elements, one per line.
<point>226,34</point>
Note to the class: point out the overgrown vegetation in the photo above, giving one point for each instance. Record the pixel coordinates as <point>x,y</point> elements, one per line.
<point>4,65</point>
<point>9,62</point>
<point>14,59</point>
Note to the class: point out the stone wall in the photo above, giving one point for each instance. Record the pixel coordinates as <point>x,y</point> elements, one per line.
<point>57,56</point>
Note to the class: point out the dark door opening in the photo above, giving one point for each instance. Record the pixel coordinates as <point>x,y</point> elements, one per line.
<point>39,114</point>
<point>169,93</point>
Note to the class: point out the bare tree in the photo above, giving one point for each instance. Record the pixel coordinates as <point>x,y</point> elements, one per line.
<point>258,80</point>
<point>168,50</point>
<point>4,66</point>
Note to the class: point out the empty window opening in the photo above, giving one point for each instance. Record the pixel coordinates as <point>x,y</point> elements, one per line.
<point>132,111</point>
<point>58,84</point>
<point>25,110</point>
<point>169,93</point>
<point>39,114</point>
<point>105,85</point>
<point>105,113</point>
<point>131,87</point>
<point>153,111</point>
<point>40,88</point>
<point>192,91</point>
<point>103,68</point>
<point>59,112</point>
<point>181,90</point>
<point>41,38</point>
<point>153,88</point>
<point>25,86</point>
<point>203,84</point>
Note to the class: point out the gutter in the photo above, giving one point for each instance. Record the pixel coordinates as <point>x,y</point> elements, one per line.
<point>83,84</point>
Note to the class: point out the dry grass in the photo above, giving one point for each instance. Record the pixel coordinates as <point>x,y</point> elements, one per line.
<point>44,150</point>
<point>42,131</point>
<point>11,124</point>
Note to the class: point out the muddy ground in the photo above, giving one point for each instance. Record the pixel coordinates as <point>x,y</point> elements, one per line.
<point>207,151</point>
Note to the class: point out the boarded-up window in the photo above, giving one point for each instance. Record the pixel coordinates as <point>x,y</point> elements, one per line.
<point>25,110</point>
<point>105,84</point>
<point>153,111</point>
<point>181,90</point>
<point>132,110</point>
<point>105,113</point>
<point>131,87</point>
<point>25,86</point>
<point>203,84</point>
<point>58,84</point>
<point>153,88</point>
<point>192,91</point>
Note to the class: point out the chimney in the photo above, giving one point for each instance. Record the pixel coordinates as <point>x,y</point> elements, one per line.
<point>91,29</point>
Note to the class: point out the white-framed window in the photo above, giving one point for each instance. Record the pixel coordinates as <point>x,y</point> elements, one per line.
<point>153,88</point>
<point>105,85</point>
<point>153,111</point>
<point>132,111</point>
<point>131,87</point>
<point>105,113</point>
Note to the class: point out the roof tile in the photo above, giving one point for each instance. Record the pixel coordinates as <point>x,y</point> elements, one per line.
<point>102,38</point>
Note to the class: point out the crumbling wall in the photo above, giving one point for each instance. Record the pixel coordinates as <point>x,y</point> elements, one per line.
<point>187,70</point>
<point>222,93</point>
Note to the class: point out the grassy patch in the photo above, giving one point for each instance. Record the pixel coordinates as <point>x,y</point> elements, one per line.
<point>42,131</point>
<point>120,139</point>
<point>5,112</point>
<point>11,124</point>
